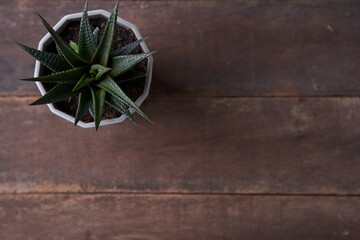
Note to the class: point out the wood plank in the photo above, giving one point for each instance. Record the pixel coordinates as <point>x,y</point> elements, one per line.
<point>212,48</point>
<point>224,145</point>
<point>178,217</point>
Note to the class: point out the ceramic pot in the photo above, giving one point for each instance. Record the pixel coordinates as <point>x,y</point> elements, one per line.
<point>46,40</point>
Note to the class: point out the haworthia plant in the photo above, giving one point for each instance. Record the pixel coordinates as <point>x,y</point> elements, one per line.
<point>90,70</point>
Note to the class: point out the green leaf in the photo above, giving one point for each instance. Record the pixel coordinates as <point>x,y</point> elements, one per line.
<point>99,70</point>
<point>91,110</point>
<point>120,106</point>
<point>96,34</point>
<point>60,53</point>
<point>121,64</point>
<point>54,62</point>
<point>85,80</point>
<point>68,76</point>
<point>111,87</point>
<point>85,102</point>
<point>102,53</point>
<point>70,55</point>
<point>130,75</point>
<point>87,43</point>
<point>56,94</point>
<point>98,97</point>
<point>126,49</point>
<point>74,46</point>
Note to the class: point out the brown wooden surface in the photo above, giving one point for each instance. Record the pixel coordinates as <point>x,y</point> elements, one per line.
<point>178,217</point>
<point>257,135</point>
<point>242,145</point>
<point>251,48</point>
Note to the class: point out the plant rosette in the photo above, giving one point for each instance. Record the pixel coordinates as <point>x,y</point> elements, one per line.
<point>91,71</point>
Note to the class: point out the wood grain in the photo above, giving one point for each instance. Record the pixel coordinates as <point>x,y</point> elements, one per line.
<point>215,48</point>
<point>218,163</point>
<point>224,145</point>
<point>178,217</point>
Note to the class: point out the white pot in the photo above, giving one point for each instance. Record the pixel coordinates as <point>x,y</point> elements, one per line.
<point>58,28</point>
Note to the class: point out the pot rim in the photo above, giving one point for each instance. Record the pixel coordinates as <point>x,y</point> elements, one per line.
<point>58,27</point>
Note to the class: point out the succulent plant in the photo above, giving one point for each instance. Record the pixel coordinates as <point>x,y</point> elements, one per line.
<point>90,70</point>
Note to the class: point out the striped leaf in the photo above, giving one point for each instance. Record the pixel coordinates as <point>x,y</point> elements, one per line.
<point>121,64</point>
<point>54,62</point>
<point>98,96</point>
<point>120,106</point>
<point>84,81</point>
<point>68,76</point>
<point>84,103</point>
<point>56,94</point>
<point>102,53</point>
<point>126,49</point>
<point>130,75</point>
<point>87,43</point>
<point>96,35</point>
<point>70,55</point>
<point>109,85</point>
<point>99,70</point>
<point>91,110</point>
<point>59,51</point>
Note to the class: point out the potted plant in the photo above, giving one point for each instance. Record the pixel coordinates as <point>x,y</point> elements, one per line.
<point>88,72</point>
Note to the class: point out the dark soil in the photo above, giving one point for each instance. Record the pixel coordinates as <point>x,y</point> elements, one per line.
<point>134,88</point>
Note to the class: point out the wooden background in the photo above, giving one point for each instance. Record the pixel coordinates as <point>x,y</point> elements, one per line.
<point>257,134</point>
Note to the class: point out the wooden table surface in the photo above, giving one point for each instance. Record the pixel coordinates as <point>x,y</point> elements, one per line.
<point>257,133</point>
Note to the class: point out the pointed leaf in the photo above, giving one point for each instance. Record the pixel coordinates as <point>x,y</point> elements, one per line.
<point>102,53</point>
<point>121,64</point>
<point>85,80</point>
<point>126,49</point>
<point>74,46</point>
<point>111,87</point>
<point>98,97</point>
<point>68,76</point>
<point>60,53</point>
<point>70,55</point>
<point>56,94</point>
<point>120,106</point>
<point>54,62</point>
<point>85,102</point>
<point>87,43</point>
<point>91,110</point>
<point>99,70</point>
<point>96,35</point>
<point>130,75</point>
